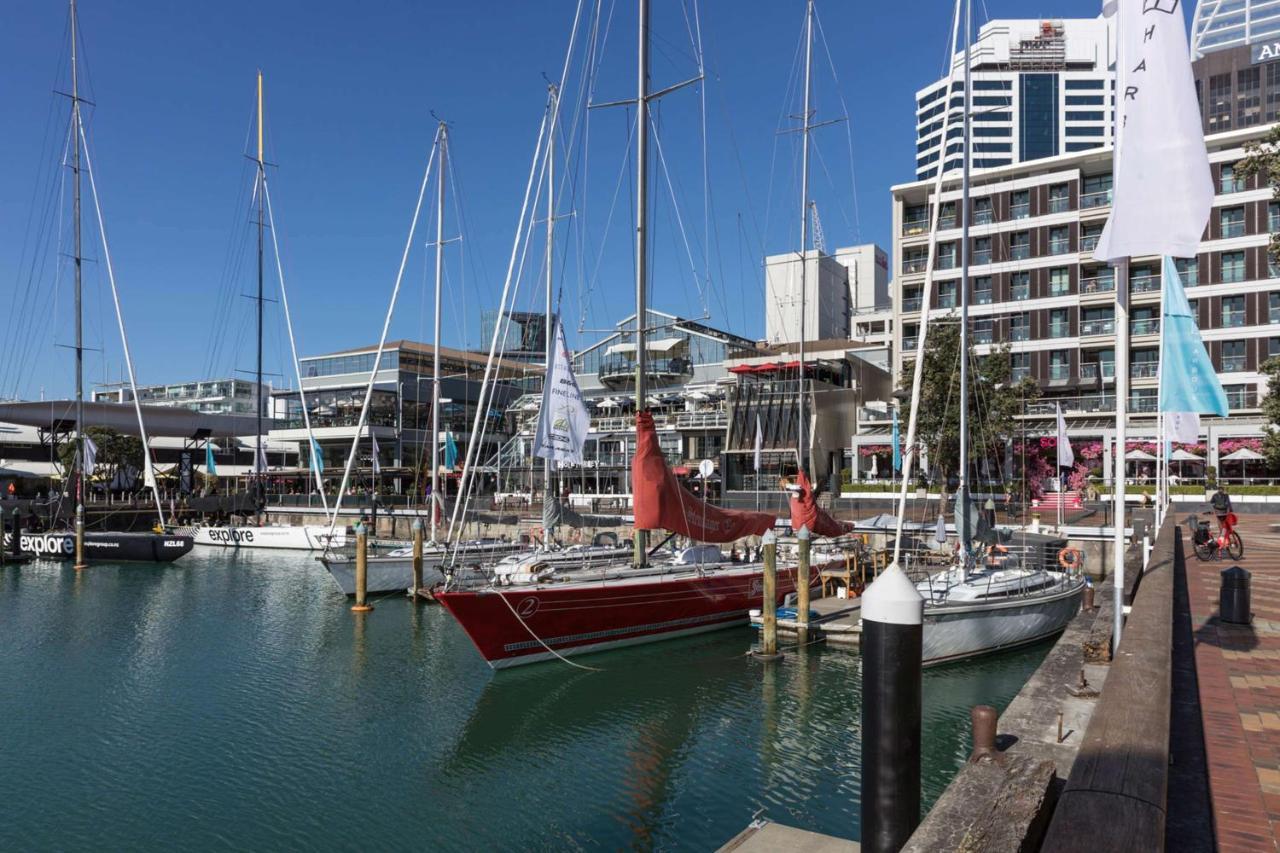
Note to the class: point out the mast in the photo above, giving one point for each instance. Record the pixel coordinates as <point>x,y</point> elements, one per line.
<point>642,250</point>
<point>435,355</point>
<point>77,471</point>
<point>547,329</point>
<point>962,492</point>
<point>802,462</point>
<point>258,453</point>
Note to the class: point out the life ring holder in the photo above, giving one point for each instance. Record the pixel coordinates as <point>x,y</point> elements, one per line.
<point>1071,558</point>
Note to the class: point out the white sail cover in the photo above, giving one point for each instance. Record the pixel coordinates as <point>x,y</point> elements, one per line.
<point>563,422</point>
<point>1163,189</point>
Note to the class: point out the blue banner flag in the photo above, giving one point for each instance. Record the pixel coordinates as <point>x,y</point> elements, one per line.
<point>450,451</point>
<point>1188,382</point>
<point>209,465</point>
<point>897,444</point>
<point>317,458</point>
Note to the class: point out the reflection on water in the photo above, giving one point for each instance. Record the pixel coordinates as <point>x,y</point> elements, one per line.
<point>232,700</point>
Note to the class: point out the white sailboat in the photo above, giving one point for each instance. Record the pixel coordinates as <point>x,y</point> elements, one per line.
<point>979,604</point>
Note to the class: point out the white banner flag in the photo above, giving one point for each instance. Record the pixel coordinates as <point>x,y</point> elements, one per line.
<point>759,454</point>
<point>260,458</point>
<point>377,466</point>
<point>90,461</point>
<point>1066,456</point>
<point>1182,427</point>
<point>1162,187</point>
<point>563,422</point>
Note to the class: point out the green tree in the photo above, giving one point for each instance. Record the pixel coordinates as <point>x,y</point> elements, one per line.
<point>995,401</point>
<point>1262,160</point>
<point>116,453</point>
<point>1271,409</point>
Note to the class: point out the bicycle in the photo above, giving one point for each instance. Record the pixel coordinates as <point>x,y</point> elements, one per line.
<point>1207,546</point>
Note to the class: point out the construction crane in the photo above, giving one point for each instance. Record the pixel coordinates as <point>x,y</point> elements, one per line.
<point>819,241</point>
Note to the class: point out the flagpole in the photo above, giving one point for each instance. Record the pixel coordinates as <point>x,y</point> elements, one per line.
<point>1122,435</point>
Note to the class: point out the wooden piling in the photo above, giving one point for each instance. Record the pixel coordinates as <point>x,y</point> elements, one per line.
<point>802,586</point>
<point>769,607</point>
<point>80,561</point>
<point>15,545</point>
<point>362,571</point>
<point>417,558</point>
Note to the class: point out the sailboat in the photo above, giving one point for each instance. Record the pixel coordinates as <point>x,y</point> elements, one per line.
<point>277,536</point>
<point>79,544</point>
<point>1011,596</point>
<point>542,612</point>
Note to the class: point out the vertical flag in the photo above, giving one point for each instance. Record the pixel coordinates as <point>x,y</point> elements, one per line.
<point>451,450</point>
<point>373,458</point>
<point>563,422</point>
<point>759,448</point>
<point>1066,456</point>
<point>260,458</point>
<point>210,466</point>
<point>1163,190</point>
<point>897,444</point>
<point>317,463</point>
<point>90,460</point>
<point>1188,382</point>
<point>149,472</point>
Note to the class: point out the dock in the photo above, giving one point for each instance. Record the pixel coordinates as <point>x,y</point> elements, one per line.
<point>837,620</point>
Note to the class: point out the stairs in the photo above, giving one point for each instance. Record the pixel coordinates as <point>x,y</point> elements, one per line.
<point>1068,500</point>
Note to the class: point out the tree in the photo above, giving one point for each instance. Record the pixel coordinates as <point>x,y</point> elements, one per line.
<point>995,401</point>
<point>117,453</point>
<point>1262,160</point>
<point>1271,409</point>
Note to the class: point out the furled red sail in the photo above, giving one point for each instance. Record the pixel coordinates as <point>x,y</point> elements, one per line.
<point>661,503</point>
<point>805,511</point>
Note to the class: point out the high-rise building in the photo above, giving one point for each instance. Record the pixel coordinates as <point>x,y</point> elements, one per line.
<point>1041,88</point>
<point>1224,24</point>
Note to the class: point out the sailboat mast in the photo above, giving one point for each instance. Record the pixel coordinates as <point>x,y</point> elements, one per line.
<point>258,453</point>
<point>642,249</point>
<point>78,464</point>
<point>962,492</point>
<point>547,329</point>
<point>802,462</point>
<point>435,356</point>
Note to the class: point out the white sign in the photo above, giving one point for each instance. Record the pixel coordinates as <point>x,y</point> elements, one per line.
<point>706,468</point>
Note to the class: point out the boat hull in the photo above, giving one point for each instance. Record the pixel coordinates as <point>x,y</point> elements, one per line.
<point>103,546</point>
<point>305,538</point>
<point>383,574</point>
<point>954,632</point>
<point>512,626</point>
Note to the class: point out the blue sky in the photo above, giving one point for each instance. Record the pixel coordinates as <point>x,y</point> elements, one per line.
<point>350,94</point>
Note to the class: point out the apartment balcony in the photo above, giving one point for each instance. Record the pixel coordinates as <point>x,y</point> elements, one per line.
<point>1144,283</point>
<point>1020,211</point>
<point>910,305</point>
<point>1145,326</point>
<point>1101,198</point>
<point>981,257</point>
<point>912,227</point>
<point>1020,252</point>
<point>947,222</point>
<point>1232,319</point>
<point>1089,242</point>
<point>910,344</point>
<point>1273,315</point>
<point>1019,333</point>
<point>1059,330</point>
<point>1098,284</point>
<point>1232,229</point>
<point>1097,327</point>
<point>914,266</point>
<point>982,336</point>
<point>867,415</point>
<point>1059,372</point>
<point>983,217</point>
<point>702,420</point>
<point>1143,369</point>
<point>1021,291</point>
<point>1059,205</point>
<point>1060,246</point>
<point>1020,373</point>
<point>982,297</point>
<point>1144,405</point>
<point>1085,403</point>
<point>1232,363</point>
<point>1089,370</point>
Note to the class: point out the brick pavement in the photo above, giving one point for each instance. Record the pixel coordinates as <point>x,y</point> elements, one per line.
<point>1238,669</point>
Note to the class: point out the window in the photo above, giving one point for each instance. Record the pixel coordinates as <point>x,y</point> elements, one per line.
<point>1086,115</point>
<point>1231,221</point>
<point>1273,347</point>
<point>1232,356</point>
<point>1090,232</point>
<point>1101,361</point>
<point>982,290</point>
<point>1220,102</point>
<point>1144,364</point>
<point>1096,191</point>
<point>1020,245</point>
<point>1021,362</point>
<point>1248,96</point>
<point>1098,321</point>
<point>1273,91</point>
<point>947,215</point>
<point>1232,311</point>
<point>1100,280</point>
<point>1232,267</point>
<point>1188,271</point>
<point>993,130</point>
<point>1059,281</point>
<point>1143,400</point>
<point>1059,198</point>
<point>1059,240</point>
<point>991,85</point>
<point>1273,214</point>
<point>1273,307</point>
<point>982,214</point>
<point>982,330</point>
<point>1085,84</point>
<point>1020,285</point>
<point>1228,181</point>
<point>1059,364</point>
<point>910,337</point>
<point>1085,100</point>
<point>911,299</point>
<point>946,294</point>
<point>1020,327</point>
<point>947,256</point>
<point>1143,279</point>
<point>915,260</point>
<point>1059,324</point>
<point>981,251</point>
<point>1144,321</point>
<point>1038,116</point>
<point>915,219</point>
<point>1020,204</point>
<point>1240,397</point>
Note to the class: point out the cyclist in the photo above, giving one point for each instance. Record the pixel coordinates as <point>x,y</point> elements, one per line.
<point>1221,503</point>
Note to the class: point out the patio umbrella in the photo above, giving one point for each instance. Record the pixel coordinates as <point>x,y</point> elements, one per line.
<point>1244,456</point>
<point>1138,455</point>
<point>1180,456</point>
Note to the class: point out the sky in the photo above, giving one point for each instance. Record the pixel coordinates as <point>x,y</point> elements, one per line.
<point>353,96</point>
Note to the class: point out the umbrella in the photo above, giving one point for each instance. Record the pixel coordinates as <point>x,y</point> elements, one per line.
<point>875,468</point>
<point>940,534</point>
<point>1138,455</point>
<point>1181,455</point>
<point>1244,456</point>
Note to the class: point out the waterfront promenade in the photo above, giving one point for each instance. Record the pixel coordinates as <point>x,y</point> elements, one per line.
<point>1238,669</point>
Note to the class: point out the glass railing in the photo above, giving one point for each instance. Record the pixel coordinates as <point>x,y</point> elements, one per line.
<point>1089,370</point>
<point>947,262</point>
<point>947,300</point>
<point>1143,369</point>
<point>1232,319</point>
<point>1243,399</point>
<point>1019,252</point>
<point>1059,371</point>
<point>1099,198</point>
<point>911,266</point>
<point>1232,363</point>
<point>983,217</point>
<point>1233,229</point>
<point>911,304</point>
<point>910,343</point>
<point>1231,185</point>
<point>619,366</point>
<point>1143,404</point>
<point>1098,284</point>
<point>1020,373</point>
<point>1144,283</point>
<point>1144,326</point>
<point>1085,403</point>
<point>1019,333</point>
<point>1059,205</point>
<point>1060,246</point>
<point>912,227</point>
<point>1059,330</point>
<point>946,222</point>
<point>1021,291</point>
<point>982,297</point>
<point>1098,327</point>
<point>982,336</point>
<point>1089,242</point>
<point>1020,211</point>
<point>1232,275</point>
<point>1060,289</point>
<point>1273,315</point>
<point>1273,222</point>
<point>982,256</point>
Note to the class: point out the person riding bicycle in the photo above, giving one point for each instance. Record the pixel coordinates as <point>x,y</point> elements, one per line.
<point>1221,503</point>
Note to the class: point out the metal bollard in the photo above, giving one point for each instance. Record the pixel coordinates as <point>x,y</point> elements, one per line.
<point>983,719</point>
<point>1235,604</point>
<point>362,571</point>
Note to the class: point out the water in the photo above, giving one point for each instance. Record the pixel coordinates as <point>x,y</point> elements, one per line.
<point>232,702</point>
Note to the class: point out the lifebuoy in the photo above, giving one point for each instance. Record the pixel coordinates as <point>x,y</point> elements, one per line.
<point>1070,558</point>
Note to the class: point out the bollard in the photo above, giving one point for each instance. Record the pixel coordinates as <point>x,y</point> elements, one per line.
<point>417,558</point>
<point>769,607</point>
<point>1146,550</point>
<point>1087,606</point>
<point>362,571</point>
<point>983,719</point>
<point>16,545</point>
<point>1035,522</point>
<point>81,565</point>
<point>1234,597</point>
<point>802,587</point>
<point>892,643</point>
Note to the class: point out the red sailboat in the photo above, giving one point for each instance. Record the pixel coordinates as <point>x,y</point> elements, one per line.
<point>559,614</point>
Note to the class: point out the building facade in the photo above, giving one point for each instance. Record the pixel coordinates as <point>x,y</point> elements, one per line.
<point>847,294</point>
<point>211,396</point>
<point>1041,88</point>
<point>1225,24</point>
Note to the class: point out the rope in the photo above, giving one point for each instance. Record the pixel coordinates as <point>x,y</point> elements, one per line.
<point>539,639</point>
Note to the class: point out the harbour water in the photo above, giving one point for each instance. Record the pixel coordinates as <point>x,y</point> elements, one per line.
<point>232,701</point>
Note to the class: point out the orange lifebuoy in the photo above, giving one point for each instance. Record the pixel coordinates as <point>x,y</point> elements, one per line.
<point>1070,558</point>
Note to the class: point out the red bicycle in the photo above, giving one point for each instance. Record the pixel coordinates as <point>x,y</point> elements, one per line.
<point>1207,546</point>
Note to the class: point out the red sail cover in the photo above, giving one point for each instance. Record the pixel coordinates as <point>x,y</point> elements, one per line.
<point>661,503</point>
<point>805,512</point>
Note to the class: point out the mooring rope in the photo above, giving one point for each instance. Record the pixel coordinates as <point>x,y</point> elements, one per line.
<point>520,619</point>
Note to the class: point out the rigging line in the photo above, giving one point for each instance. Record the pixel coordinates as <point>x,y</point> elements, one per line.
<point>826,171</point>
<point>787,97</point>
<point>293,346</point>
<point>382,343</point>
<point>706,167</point>
<point>848,128</point>
<point>623,174</point>
<point>124,339</point>
<point>675,209</point>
